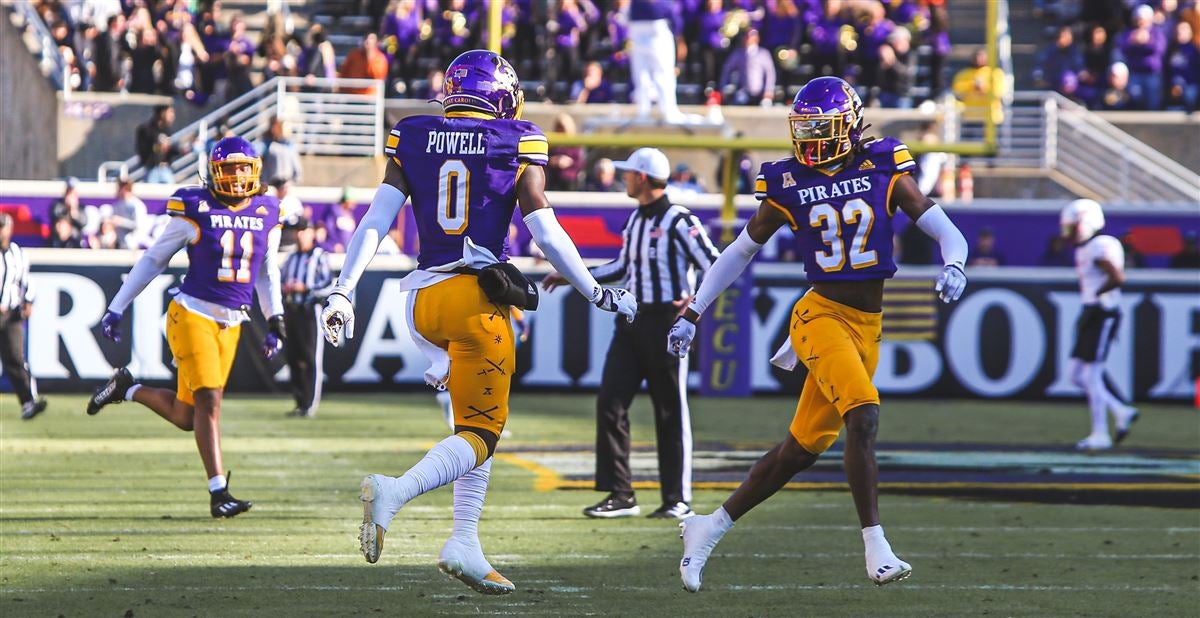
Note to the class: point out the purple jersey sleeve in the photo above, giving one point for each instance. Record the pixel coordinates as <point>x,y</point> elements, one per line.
<point>462,174</point>
<point>843,222</point>
<point>230,245</point>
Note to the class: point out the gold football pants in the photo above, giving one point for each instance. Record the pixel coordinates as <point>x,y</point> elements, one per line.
<point>456,316</point>
<point>840,347</point>
<point>203,351</point>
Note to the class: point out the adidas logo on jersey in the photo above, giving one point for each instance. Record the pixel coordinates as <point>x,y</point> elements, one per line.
<point>262,210</point>
<point>866,165</point>
<point>203,207</point>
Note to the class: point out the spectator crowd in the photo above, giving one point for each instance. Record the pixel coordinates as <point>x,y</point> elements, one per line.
<point>749,51</point>
<point>1109,55</point>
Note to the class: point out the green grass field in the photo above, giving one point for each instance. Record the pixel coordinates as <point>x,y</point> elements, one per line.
<point>108,516</point>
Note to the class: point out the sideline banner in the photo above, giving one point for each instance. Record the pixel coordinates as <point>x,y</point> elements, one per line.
<point>1009,337</point>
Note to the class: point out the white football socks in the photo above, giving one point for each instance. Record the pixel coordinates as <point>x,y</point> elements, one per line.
<point>130,391</point>
<point>443,464</point>
<point>1098,397</point>
<point>469,492</point>
<point>700,535</point>
<point>463,554</point>
<point>217,483</point>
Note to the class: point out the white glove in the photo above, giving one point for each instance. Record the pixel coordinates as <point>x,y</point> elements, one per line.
<point>337,317</point>
<point>951,283</point>
<point>679,340</point>
<point>617,300</point>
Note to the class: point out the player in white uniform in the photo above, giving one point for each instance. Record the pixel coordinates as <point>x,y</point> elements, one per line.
<point>1100,263</point>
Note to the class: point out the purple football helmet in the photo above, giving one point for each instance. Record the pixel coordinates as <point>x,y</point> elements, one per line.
<point>482,81</point>
<point>826,121</point>
<point>234,169</point>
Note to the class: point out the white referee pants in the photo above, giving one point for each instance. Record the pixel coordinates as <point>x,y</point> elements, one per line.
<point>652,63</point>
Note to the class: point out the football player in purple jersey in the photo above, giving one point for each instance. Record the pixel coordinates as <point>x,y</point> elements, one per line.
<point>465,172</point>
<point>838,194</point>
<point>231,232</point>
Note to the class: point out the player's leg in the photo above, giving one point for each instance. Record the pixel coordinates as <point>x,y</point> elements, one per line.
<point>848,351</point>
<point>165,403</point>
<point>209,377</point>
<point>188,335</point>
<point>482,363</point>
<point>1087,373</point>
<point>811,432</point>
<point>621,379</point>
<point>455,316</point>
<point>1124,415</point>
<point>207,427</point>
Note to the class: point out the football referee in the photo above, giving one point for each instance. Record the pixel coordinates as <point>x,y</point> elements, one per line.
<point>16,304</point>
<point>664,247</point>
<point>307,280</point>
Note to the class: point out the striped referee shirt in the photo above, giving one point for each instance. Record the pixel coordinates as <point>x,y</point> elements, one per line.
<point>310,268</point>
<point>664,246</point>
<point>15,288</point>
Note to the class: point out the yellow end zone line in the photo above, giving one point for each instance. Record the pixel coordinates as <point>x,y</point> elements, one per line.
<point>546,479</point>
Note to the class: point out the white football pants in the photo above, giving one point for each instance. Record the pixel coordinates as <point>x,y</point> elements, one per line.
<point>652,62</point>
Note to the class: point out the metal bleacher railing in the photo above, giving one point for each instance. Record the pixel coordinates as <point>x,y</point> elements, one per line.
<point>340,117</point>
<point>52,63</point>
<point>1047,132</point>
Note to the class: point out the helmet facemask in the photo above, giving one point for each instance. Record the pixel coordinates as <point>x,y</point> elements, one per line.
<point>820,139</point>
<point>236,177</point>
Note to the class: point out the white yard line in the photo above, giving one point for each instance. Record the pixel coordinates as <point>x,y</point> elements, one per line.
<point>608,589</point>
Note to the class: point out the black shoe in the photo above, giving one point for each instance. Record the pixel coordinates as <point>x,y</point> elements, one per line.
<point>33,408</point>
<point>225,505</point>
<point>1123,432</point>
<point>615,505</point>
<point>301,413</point>
<point>677,510</point>
<point>113,391</point>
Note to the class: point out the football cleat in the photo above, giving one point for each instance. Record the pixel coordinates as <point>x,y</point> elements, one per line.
<point>31,409</point>
<point>113,391</point>
<point>370,534</point>
<point>613,506</point>
<point>1125,424</point>
<point>299,412</point>
<point>889,570</point>
<point>467,564</point>
<point>1094,442</point>
<point>678,510</point>
<point>225,505</point>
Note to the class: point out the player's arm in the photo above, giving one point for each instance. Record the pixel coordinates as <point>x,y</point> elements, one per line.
<point>1115,273</point>
<point>179,232</point>
<point>270,300</point>
<point>267,284</point>
<point>907,196</point>
<point>385,207</point>
<point>728,267</point>
<point>560,250</point>
<point>734,259</point>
